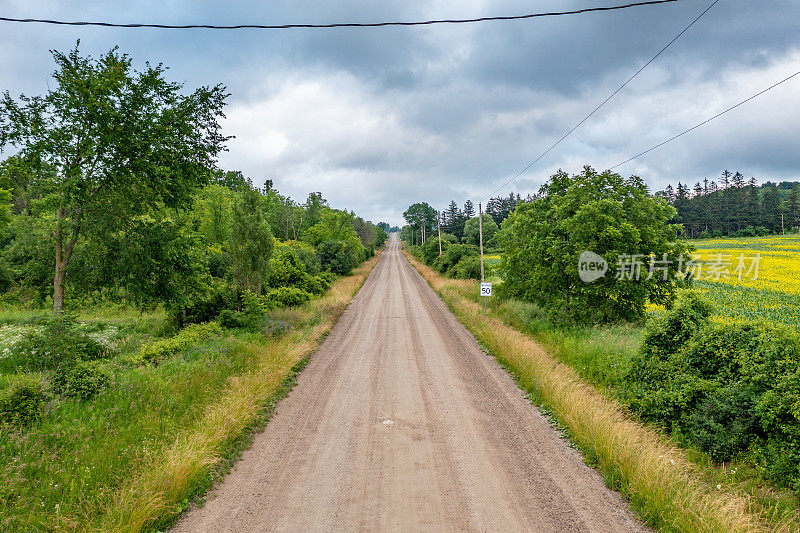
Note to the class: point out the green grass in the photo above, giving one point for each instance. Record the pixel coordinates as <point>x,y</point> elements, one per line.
<point>70,463</point>
<point>130,458</point>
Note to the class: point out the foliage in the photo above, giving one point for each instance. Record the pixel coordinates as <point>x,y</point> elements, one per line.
<point>468,268</point>
<point>157,352</point>
<point>117,143</point>
<point>23,402</point>
<point>730,389</point>
<point>251,241</point>
<point>289,296</point>
<point>218,297</point>
<point>83,380</point>
<point>471,232</point>
<point>598,212</point>
<point>56,341</point>
<point>421,219</point>
<point>735,207</point>
<point>456,252</point>
<point>340,257</point>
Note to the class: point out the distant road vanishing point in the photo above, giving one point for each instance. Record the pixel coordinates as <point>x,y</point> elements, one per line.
<point>400,422</point>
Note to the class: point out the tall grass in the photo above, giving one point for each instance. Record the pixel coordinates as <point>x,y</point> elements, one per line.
<point>132,458</point>
<point>663,485</point>
<point>160,490</point>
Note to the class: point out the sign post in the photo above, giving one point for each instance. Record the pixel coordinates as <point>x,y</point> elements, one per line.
<point>486,291</point>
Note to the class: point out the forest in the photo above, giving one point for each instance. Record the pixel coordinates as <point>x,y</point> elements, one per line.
<point>735,207</point>
<point>112,192</point>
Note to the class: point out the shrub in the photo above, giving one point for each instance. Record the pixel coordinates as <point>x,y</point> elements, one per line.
<point>58,341</point>
<point>468,268</point>
<point>288,296</point>
<point>340,257</point>
<point>208,306</point>
<point>725,423</point>
<point>667,334</point>
<point>188,336</point>
<point>449,259</point>
<point>229,318</point>
<point>82,381</point>
<point>730,389</point>
<point>23,402</point>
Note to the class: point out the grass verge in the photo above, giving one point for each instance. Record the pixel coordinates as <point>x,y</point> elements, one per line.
<point>162,488</point>
<point>133,457</point>
<point>668,490</point>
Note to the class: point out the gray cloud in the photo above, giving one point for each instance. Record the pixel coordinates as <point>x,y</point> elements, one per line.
<point>376,119</point>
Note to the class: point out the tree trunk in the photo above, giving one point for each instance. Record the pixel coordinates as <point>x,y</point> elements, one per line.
<point>58,288</point>
<point>63,255</point>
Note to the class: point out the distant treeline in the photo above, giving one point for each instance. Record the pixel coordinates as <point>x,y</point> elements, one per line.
<point>735,206</point>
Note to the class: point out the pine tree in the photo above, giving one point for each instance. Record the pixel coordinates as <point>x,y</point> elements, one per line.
<point>771,208</point>
<point>669,193</point>
<point>794,206</point>
<point>469,209</point>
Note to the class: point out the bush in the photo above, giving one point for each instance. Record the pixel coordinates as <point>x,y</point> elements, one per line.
<point>447,262</point>
<point>23,402</point>
<point>205,308</point>
<point>468,268</point>
<point>58,341</point>
<point>730,389</point>
<point>667,334</point>
<point>288,296</point>
<point>725,423</point>
<point>82,381</point>
<point>193,334</point>
<point>340,257</point>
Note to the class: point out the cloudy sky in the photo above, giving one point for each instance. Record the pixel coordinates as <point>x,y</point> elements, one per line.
<point>379,118</point>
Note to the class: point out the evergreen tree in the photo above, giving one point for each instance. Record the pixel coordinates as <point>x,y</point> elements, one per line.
<point>771,208</point>
<point>469,209</point>
<point>794,206</point>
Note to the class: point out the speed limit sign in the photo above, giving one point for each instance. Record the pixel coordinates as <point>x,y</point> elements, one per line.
<point>486,289</point>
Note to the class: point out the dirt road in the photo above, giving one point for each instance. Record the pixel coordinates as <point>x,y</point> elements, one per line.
<point>400,422</point>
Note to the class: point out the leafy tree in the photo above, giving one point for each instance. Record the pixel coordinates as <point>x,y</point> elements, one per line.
<point>251,241</point>
<point>340,257</point>
<point>120,142</point>
<point>214,210</point>
<point>604,213</point>
<point>333,225</point>
<point>472,232</point>
<point>794,206</point>
<point>421,217</point>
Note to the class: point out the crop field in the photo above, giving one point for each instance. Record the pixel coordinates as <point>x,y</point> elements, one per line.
<point>772,295</point>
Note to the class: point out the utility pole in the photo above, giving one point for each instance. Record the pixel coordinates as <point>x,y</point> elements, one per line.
<point>480,237</point>
<point>439,227</point>
<point>783,229</point>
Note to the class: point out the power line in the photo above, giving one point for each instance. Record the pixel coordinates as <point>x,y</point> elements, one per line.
<point>604,102</point>
<point>706,121</point>
<point>334,25</point>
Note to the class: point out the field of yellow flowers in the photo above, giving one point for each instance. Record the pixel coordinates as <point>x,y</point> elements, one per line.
<point>766,285</point>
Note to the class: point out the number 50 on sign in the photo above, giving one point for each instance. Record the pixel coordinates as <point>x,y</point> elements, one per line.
<point>486,289</point>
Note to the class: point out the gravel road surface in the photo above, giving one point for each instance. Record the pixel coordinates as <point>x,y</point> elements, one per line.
<point>400,422</point>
